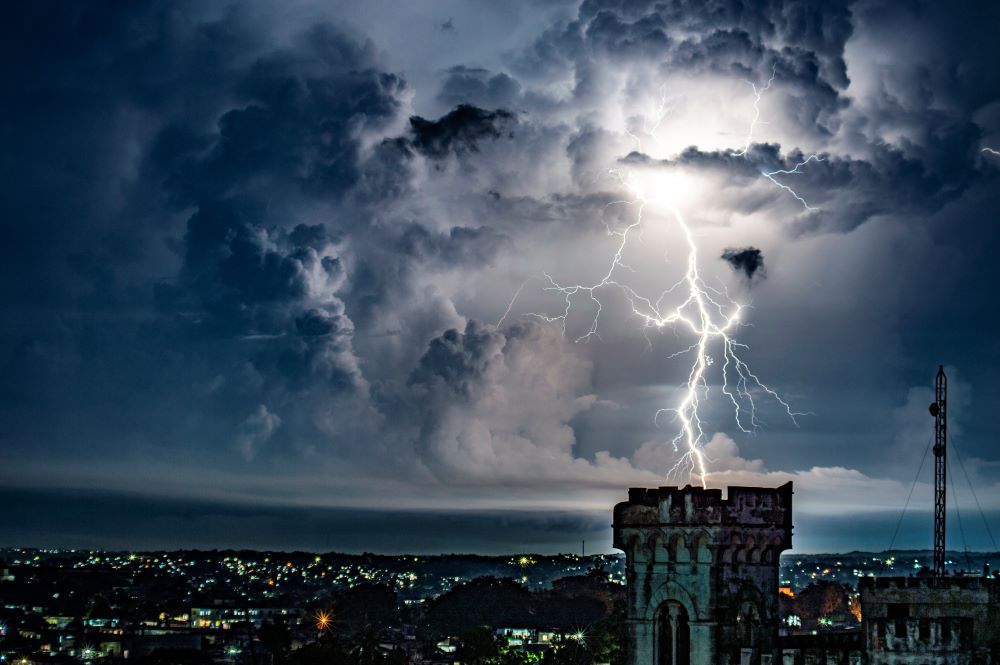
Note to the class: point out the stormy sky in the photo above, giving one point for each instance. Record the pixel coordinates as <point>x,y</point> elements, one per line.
<point>280,274</point>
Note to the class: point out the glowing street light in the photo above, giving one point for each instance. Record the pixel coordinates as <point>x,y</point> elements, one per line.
<point>323,620</point>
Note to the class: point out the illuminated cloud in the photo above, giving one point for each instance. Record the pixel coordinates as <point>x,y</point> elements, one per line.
<point>276,242</point>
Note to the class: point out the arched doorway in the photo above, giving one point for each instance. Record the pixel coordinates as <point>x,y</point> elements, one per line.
<point>673,639</point>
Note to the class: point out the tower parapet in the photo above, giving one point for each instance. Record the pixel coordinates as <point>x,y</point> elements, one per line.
<point>702,573</point>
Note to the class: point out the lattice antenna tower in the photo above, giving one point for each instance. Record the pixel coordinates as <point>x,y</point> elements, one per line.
<point>939,409</point>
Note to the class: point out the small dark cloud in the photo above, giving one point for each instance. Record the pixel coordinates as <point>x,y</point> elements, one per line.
<point>459,131</point>
<point>747,260</point>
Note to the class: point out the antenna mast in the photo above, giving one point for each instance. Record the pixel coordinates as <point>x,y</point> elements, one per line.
<point>939,409</point>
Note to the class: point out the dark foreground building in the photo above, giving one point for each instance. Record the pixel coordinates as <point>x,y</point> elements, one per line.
<point>702,578</point>
<point>702,573</point>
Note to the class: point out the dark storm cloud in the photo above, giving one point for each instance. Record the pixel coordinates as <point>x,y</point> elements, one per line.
<point>494,408</point>
<point>225,139</point>
<point>820,28</point>
<point>461,246</point>
<point>800,44</point>
<point>475,85</point>
<point>747,260</point>
<point>137,106</point>
<point>235,272</point>
<point>459,362</point>
<point>319,323</point>
<point>301,114</point>
<point>849,191</point>
<point>242,280</point>
<point>460,130</point>
<point>239,239</point>
<point>608,33</point>
<point>736,50</point>
<point>948,62</point>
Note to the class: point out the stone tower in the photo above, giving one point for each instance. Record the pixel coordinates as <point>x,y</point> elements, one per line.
<point>702,573</point>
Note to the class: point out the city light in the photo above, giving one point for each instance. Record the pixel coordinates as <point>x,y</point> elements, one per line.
<point>323,620</point>
<point>415,584</point>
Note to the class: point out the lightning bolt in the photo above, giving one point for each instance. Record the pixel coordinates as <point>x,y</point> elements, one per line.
<point>704,311</point>
<point>991,151</point>
<point>663,110</point>
<point>770,176</point>
<point>757,94</point>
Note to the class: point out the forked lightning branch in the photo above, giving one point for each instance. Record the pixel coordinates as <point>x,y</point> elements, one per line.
<point>706,313</point>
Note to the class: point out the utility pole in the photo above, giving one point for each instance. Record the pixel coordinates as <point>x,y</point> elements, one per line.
<point>939,409</point>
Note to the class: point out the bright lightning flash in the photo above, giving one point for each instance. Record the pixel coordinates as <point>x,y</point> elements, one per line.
<point>708,313</point>
<point>705,311</point>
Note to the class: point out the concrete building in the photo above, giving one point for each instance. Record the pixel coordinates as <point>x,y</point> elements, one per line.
<point>229,617</point>
<point>926,619</point>
<point>702,573</point>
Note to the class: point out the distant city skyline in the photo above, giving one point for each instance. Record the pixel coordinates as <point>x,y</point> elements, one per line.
<point>295,274</point>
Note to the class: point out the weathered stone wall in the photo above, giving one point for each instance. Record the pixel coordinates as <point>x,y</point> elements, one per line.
<point>915,620</point>
<point>715,558</point>
<point>825,648</point>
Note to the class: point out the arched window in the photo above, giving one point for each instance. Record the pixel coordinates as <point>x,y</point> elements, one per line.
<point>702,552</point>
<point>748,624</point>
<point>678,549</point>
<point>747,634</point>
<point>673,635</point>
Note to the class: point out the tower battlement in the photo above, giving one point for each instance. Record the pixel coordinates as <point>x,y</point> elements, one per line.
<point>744,507</point>
<point>702,572</point>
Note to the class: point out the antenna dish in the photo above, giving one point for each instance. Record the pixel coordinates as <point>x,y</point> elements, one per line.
<point>934,409</point>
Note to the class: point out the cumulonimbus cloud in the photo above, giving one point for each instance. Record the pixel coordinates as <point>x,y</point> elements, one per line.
<point>262,220</point>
